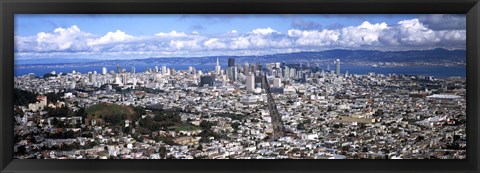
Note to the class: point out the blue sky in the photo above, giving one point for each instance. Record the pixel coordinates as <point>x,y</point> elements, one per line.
<point>144,36</point>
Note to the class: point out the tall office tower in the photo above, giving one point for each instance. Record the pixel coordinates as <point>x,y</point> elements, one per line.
<point>304,76</point>
<point>286,72</point>
<point>277,82</point>
<point>156,69</point>
<point>250,82</point>
<point>92,78</point>
<point>253,68</point>
<point>95,72</point>
<point>337,68</point>
<point>31,76</point>
<point>173,72</point>
<point>229,73</point>
<point>119,69</point>
<point>260,68</point>
<point>164,70</point>
<point>124,79</point>
<point>245,69</point>
<point>277,65</point>
<point>292,73</point>
<point>217,68</point>
<point>232,73</point>
<point>132,70</point>
<point>104,71</point>
<point>231,62</point>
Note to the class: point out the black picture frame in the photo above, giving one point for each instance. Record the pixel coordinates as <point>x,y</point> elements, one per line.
<point>10,7</point>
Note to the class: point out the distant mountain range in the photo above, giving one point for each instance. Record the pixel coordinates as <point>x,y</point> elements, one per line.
<point>434,55</point>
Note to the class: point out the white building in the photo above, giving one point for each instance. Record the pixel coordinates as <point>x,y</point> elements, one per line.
<point>250,82</point>
<point>277,82</point>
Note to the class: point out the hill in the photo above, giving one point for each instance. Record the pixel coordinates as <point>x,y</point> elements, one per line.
<point>432,55</point>
<point>110,113</point>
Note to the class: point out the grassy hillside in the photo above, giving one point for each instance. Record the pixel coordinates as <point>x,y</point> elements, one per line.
<point>111,113</point>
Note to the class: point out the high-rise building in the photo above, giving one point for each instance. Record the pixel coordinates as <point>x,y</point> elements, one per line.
<point>217,68</point>
<point>286,72</point>
<point>164,69</point>
<point>277,65</point>
<point>104,71</point>
<point>260,68</point>
<point>156,69</point>
<point>132,70</point>
<point>231,62</point>
<point>124,79</point>
<point>337,67</point>
<point>253,68</point>
<point>246,70</point>
<point>250,82</point>
<point>92,77</point>
<point>277,82</point>
<point>232,73</point>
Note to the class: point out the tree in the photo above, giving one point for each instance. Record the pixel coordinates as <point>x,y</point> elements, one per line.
<point>206,124</point>
<point>23,98</point>
<point>163,152</point>
<point>47,75</point>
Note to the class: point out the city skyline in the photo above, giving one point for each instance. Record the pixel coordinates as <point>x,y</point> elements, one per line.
<point>110,37</point>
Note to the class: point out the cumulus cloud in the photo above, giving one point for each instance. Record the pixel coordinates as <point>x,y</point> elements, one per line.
<point>366,34</point>
<point>404,35</point>
<point>412,33</point>
<point>314,38</point>
<point>61,39</point>
<point>171,34</point>
<point>112,37</point>
<point>264,31</point>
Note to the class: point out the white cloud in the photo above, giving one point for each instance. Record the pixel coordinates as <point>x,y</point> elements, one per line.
<point>409,33</point>
<point>364,34</point>
<point>112,37</point>
<point>264,31</point>
<point>61,39</point>
<point>313,37</point>
<point>171,34</point>
<point>214,43</point>
<point>184,44</point>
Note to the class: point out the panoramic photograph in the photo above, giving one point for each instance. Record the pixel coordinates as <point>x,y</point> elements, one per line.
<point>240,86</point>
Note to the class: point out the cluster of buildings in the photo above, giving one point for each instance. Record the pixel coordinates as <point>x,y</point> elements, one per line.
<point>323,114</point>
